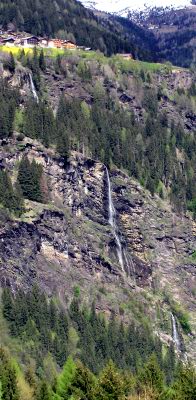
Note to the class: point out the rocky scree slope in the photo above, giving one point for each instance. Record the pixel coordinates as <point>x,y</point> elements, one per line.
<point>69,243</point>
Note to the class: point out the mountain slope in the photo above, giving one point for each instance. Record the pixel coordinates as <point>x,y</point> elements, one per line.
<point>72,245</point>
<point>173,27</point>
<point>68,18</point>
<point>83,227</point>
<point>174,31</point>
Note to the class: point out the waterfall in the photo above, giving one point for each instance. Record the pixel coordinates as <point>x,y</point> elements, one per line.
<point>112,222</point>
<point>33,88</point>
<point>175,333</point>
<point>130,270</point>
<point>127,262</point>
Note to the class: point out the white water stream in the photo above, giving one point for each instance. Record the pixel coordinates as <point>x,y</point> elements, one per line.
<point>112,222</point>
<point>175,333</point>
<point>130,265</point>
<point>33,88</point>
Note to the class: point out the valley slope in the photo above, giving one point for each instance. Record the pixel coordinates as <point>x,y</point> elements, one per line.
<point>67,242</point>
<point>175,32</point>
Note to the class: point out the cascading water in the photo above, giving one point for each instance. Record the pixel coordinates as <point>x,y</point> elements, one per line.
<point>33,88</point>
<point>175,333</point>
<point>112,222</point>
<point>130,269</point>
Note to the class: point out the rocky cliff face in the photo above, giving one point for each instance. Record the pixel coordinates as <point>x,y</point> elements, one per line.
<point>69,243</point>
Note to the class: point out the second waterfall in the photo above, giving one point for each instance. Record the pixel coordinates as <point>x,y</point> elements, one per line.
<point>112,222</point>
<point>175,335</point>
<point>33,88</point>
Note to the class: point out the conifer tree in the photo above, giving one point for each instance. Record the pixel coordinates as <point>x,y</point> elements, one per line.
<point>8,378</point>
<point>36,171</point>
<point>34,65</point>
<point>23,58</point>
<point>10,63</point>
<point>44,392</point>
<point>42,62</point>
<point>170,364</point>
<point>31,377</point>
<point>151,377</point>
<point>10,384</point>
<point>65,379</point>
<point>110,384</point>
<point>4,120</point>
<point>7,304</point>
<point>9,99</point>
<point>19,201</point>
<point>82,384</point>
<point>62,146</point>
<point>185,385</point>
<point>29,177</point>
<point>57,64</point>
<point>25,177</point>
<point>11,198</point>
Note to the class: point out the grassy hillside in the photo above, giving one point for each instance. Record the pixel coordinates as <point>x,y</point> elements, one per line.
<point>124,65</point>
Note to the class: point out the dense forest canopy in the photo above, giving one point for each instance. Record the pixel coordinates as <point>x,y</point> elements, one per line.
<point>116,362</point>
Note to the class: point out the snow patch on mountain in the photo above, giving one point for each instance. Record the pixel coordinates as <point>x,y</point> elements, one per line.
<point>122,7</point>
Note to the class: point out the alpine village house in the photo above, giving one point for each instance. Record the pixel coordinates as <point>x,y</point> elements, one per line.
<point>23,40</point>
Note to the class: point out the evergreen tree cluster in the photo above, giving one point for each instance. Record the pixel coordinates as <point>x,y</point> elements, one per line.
<point>36,63</point>
<point>109,133</point>
<point>30,184</point>
<point>39,123</point>
<point>10,197</point>
<point>9,100</point>
<point>29,178</point>
<point>150,153</point>
<point>95,373</point>
<point>40,323</point>
<point>128,346</point>
<point>8,378</point>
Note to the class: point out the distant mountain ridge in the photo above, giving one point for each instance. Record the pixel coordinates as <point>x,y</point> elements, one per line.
<point>175,32</point>
<point>172,27</point>
<point>124,7</point>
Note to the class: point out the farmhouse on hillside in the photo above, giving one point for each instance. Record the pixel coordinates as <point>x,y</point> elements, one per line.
<point>29,41</point>
<point>126,56</point>
<point>61,44</point>
<point>9,41</point>
<point>24,40</point>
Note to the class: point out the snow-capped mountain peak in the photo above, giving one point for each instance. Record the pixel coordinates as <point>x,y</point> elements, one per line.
<point>122,7</point>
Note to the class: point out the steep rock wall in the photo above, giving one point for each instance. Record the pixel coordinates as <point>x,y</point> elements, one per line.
<point>69,242</point>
